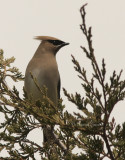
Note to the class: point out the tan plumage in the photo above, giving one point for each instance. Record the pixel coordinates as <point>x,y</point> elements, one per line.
<point>43,67</point>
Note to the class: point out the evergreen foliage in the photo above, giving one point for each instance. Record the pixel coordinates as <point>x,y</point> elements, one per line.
<point>91,131</point>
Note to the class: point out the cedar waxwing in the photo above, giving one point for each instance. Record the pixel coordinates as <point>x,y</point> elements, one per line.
<point>43,67</point>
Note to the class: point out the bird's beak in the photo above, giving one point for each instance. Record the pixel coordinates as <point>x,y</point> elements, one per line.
<point>64,44</point>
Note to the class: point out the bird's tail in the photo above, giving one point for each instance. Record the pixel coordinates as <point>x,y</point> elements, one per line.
<point>47,134</point>
<point>48,140</point>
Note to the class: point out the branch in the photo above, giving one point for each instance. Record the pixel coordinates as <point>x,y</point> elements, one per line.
<point>98,75</point>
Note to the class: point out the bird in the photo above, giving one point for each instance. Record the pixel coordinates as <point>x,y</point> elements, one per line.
<point>43,66</point>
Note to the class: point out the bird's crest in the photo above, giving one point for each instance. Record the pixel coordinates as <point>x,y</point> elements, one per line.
<point>45,38</point>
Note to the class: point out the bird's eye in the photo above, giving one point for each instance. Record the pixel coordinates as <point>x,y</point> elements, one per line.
<point>55,42</point>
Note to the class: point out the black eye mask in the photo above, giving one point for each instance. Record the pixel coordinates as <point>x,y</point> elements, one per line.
<point>56,42</point>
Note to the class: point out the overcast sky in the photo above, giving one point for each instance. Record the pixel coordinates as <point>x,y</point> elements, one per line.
<point>21,20</point>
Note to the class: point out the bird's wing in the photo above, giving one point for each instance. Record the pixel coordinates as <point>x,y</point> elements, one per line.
<point>58,88</point>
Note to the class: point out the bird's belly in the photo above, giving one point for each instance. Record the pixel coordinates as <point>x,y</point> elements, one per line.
<point>48,77</point>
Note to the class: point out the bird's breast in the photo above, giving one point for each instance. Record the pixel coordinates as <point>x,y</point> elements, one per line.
<point>45,71</point>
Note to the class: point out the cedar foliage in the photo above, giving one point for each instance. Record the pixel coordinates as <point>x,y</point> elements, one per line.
<point>97,136</point>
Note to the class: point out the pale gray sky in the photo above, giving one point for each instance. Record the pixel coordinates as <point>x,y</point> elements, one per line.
<point>21,20</point>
